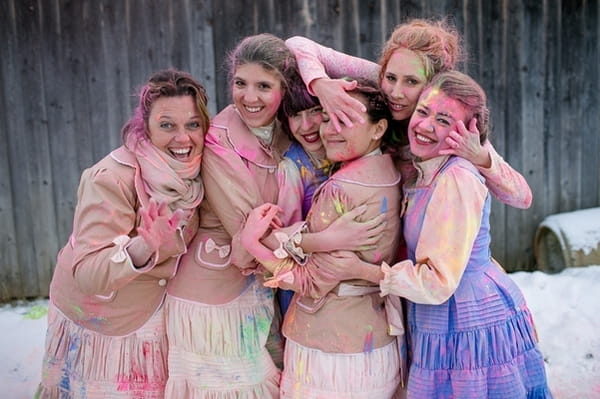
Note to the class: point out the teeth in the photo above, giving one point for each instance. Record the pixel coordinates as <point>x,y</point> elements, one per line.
<point>253,109</point>
<point>181,151</point>
<point>423,138</point>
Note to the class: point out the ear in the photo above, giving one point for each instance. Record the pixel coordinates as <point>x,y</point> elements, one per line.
<point>379,129</point>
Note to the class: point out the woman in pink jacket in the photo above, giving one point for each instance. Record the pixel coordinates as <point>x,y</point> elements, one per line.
<point>135,215</point>
<point>340,342</point>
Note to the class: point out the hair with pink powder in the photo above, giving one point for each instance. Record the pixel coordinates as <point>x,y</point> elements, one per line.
<point>437,43</point>
<point>165,83</point>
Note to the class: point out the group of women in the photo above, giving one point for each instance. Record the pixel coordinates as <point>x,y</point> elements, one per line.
<point>184,236</point>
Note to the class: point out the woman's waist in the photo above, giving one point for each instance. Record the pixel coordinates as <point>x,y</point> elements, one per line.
<point>345,324</point>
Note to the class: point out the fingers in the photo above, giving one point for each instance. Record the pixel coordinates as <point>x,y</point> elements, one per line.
<point>473,126</point>
<point>356,212</point>
<point>176,219</point>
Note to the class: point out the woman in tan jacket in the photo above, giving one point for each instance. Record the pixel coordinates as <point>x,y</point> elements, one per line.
<point>136,213</point>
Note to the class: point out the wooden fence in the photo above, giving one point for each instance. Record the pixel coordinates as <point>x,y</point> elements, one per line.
<point>70,68</point>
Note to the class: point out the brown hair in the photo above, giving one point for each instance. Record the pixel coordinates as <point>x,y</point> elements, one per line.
<point>164,83</point>
<point>463,88</point>
<point>435,42</point>
<point>267,50</point>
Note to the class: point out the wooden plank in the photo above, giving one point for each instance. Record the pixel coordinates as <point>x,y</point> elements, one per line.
<point>10,281</point>
<point>533,71</point>
<point>494,81</point>
<point>551,195</point>
<point>203,64</point>
<point>36,212</point>
<point>119,93</point>
<point>60,115</point>
<point>590,118</point>
<point>571,84</point>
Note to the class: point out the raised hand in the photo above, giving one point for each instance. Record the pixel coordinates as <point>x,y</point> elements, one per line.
<point>160,229</point>
<point>466,144</point>
<point>339,105</point>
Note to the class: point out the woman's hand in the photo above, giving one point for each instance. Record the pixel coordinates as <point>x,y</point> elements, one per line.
<point>346,233</point>
<point>466,144</point>
<point>258,225</point>
<point>339,105</point>
<point>160,229</point>
<point>260,221</point>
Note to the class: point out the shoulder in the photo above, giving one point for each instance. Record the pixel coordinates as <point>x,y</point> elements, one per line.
<point>116,170</point>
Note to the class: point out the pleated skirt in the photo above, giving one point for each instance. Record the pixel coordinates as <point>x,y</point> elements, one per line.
<point>313,374</point>
<point>219,351</point>
<point>83,364</point>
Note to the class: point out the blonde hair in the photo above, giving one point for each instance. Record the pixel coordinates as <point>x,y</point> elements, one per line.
<point>436,42</point>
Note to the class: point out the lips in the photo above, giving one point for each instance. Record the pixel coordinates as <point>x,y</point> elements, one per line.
<point>311,138</point>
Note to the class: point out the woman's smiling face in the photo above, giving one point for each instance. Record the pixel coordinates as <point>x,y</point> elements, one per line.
<point>434,118</point>
<point>351,142</point>
<point>257,94</point>
<point>175,127</point>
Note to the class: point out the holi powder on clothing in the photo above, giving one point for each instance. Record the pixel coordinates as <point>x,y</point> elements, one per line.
<point>368,344</point>
<point>339,207</point>
<point>384,205</point>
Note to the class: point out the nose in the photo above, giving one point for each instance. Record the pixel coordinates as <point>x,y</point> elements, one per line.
<point>397,91</point>
<point>182,135</point>
<point>307,122</point>
<point>250,95</point>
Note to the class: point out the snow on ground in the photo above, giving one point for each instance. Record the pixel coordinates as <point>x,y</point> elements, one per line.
<point>565,306</point>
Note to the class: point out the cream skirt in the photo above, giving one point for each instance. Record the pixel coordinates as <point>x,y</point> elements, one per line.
<point>218,351</point>
<point>83,364</point>
<point>314,374</point>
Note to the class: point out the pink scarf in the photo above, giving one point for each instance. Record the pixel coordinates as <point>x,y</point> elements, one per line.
<point>167,180</point>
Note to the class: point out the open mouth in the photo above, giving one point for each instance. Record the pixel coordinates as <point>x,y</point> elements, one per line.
<point>253,110</point>
<point>424,140</point>
<point>181,153</point>
<point>311,138</point>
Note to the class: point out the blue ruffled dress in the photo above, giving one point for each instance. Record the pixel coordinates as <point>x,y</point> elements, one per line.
<point>480,343</point>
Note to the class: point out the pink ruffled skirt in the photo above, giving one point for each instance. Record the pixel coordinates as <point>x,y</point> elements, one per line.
<point>314,374</point>
<point>219,351</point>
<point>83,364</point>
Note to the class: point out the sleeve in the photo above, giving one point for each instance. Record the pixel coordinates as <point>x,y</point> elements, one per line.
<point>104,220</point>
<point>231,189</point>
<point>505,183</point>
<point>309,278</point>
<point>317,61</point>
<point>450,225</point>
<point>291,191</point>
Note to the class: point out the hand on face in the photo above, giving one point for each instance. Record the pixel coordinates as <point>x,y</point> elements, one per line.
<point>338,104</point>
<point>466,144</point>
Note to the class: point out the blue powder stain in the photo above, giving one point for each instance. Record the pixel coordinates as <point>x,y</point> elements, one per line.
<point>384,205</point>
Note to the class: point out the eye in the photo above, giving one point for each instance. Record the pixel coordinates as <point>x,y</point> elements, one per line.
<point>264,86</point>
<point>412,81</point>
<point>326,117</point>
<point>443,121</point>
<point>193,125</point>
<point>316,110</point>
<point>239,83</point>
<point>390,78</point>
<point>165,125</point>
<point>421,111</point>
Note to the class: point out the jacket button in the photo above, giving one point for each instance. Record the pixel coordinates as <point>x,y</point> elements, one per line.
<point>162,282</point>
